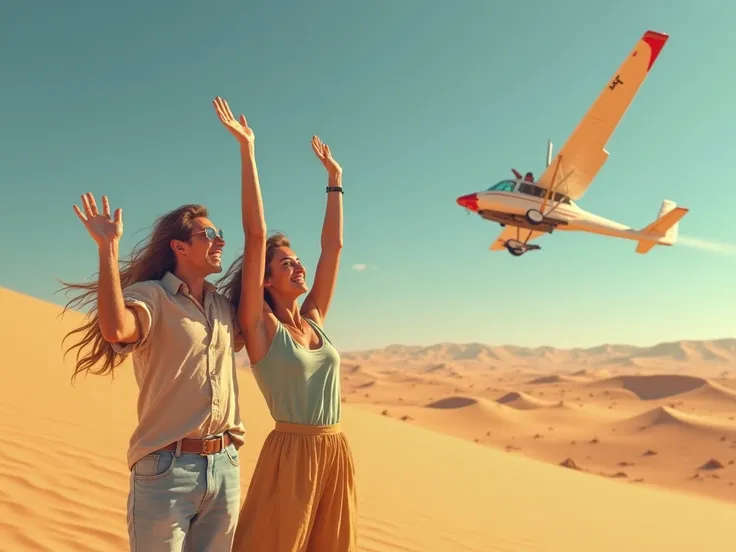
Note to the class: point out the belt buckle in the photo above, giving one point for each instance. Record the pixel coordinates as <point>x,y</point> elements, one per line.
<point>207,450</point>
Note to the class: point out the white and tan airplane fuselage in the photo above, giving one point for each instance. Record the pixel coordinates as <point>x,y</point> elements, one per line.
<point>560,216</point>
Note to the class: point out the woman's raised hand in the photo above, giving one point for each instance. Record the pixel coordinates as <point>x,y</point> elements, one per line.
<point>238,128</point>
<point>103,229</point>
<point>322,151</point>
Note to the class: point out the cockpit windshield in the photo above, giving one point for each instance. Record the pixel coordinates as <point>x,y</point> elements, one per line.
<point>503,186</point>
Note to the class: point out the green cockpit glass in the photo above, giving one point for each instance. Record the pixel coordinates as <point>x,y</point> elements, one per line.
<point>503,186</point>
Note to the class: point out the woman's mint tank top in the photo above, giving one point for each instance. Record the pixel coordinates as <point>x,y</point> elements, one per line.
<point>301,386</point>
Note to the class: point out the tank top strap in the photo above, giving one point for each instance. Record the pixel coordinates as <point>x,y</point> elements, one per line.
<point>278,334</point>
<point>280,344</point>
<point>318,330</point>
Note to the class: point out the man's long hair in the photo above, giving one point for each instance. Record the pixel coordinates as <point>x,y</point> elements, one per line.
<point>150,259</point>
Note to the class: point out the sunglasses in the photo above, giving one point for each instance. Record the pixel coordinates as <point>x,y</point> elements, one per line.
<point>211,233</point>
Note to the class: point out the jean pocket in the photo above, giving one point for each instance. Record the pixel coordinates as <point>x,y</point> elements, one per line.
<point>232,454</point>
<point>155,465</point>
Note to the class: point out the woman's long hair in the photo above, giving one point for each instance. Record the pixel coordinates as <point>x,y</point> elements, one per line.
<point>232,281</point>
<point>150,259</point>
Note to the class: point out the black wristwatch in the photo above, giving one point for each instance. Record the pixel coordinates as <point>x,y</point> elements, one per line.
<point>334,189</point>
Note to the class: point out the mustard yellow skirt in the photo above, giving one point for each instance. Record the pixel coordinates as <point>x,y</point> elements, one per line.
<point>302,495</point>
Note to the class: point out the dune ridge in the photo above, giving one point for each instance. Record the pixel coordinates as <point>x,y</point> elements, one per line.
<point>655,386</point>
<point>522,401</point>
<point>556,378</point>
<point>661,386</point>
<point>460,409</point>
<point>670,416</point>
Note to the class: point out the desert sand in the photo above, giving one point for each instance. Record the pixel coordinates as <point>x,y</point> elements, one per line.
<point>458,447</point>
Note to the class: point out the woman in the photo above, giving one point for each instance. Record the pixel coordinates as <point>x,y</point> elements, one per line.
<point>302,494</point>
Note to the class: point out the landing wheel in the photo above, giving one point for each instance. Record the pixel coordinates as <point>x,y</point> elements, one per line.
<point>516,248</point>
<point>534,216</point>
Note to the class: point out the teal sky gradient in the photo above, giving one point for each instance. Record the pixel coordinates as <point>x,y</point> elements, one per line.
<point>420,102</point>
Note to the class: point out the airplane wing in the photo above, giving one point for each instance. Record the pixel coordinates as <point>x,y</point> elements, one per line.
<point>513,233</point>
<point>584,153</point>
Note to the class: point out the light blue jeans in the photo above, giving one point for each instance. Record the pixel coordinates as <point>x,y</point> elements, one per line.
<point>185,503</point>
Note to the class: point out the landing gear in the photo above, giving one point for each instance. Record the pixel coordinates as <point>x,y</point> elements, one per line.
<point>518,248</point>
<point>534,216</point>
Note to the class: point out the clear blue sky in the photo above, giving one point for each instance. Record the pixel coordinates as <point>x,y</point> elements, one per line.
<point>420,102</point>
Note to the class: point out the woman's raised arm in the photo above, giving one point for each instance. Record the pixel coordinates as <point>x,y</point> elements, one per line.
<point>317,303</point>
<point>250,310</point>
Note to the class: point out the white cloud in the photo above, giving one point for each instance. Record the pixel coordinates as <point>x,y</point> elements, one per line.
<point>360,267</point>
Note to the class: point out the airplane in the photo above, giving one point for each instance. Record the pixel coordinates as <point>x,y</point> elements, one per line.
<point>528,209</point>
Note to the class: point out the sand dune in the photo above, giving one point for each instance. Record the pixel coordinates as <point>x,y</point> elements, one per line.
<point>453,403</point>
<point>714,393</point>
<point>522,401</point>
<point>557,378</point>
<point>591,374</point>
<point>653,387</point>
<point>661,416</point>
<point>63,479</point>
<point>474,411</point>
<point>618,394</point>
<point>686,392</point>
<point>601,420</point>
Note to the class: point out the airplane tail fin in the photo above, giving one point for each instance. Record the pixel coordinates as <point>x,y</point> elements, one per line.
<point>664,230</point>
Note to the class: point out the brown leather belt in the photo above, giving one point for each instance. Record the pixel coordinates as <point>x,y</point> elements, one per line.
<point>210,445</point>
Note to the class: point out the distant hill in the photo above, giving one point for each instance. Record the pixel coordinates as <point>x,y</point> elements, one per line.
<point>721,351</point>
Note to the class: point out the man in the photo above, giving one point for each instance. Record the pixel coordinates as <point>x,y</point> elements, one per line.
<point>182,334</point>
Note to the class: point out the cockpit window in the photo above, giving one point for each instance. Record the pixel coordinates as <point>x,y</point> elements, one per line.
<point>538,191</point>
<point>503,186</point>
<point>530,189</point>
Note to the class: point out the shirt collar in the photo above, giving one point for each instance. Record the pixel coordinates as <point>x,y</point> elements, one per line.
<point>174,285</point>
